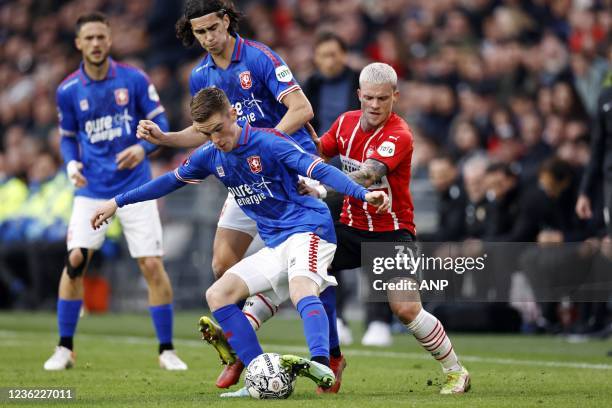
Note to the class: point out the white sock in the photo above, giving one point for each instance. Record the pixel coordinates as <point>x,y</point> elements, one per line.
<point>258,308</point>
<point>430,333</point>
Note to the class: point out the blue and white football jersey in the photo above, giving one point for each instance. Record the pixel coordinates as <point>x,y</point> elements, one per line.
<point>103,116</point>
<point>262,174</point>
<point>255,82</point>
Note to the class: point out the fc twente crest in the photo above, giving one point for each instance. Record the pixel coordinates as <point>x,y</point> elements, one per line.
<point>122,96</point>
<point>254,163</point>
<point>245,80</point>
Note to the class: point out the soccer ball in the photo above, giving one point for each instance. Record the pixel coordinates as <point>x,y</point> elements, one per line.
<point>267,379</point>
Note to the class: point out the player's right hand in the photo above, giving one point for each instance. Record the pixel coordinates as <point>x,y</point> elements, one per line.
<point>103,213</point>
<point>305,189</point>
<point>583,207</point>
<point>73,168</point>
<point>149,131</point>
<point>378,199</point>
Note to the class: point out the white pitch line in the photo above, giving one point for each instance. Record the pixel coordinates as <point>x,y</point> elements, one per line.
<point>347,351</point>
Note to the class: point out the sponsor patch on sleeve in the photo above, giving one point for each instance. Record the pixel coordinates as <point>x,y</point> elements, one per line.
<point>283,73</point>
<point>386,149</point>
<point>153,93</point>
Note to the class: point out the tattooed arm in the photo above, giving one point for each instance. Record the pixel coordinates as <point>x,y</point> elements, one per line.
<point>371,171</point>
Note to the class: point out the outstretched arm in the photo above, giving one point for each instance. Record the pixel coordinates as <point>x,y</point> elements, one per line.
<point>157,188</point>
<point>371,171</point>
<point>340,182</point>
<point>294,157</point>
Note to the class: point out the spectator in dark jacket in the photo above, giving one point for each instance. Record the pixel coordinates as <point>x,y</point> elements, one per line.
<point>332,90</point>
<point>541,209</point>
<point>599,168</point>
<point>476,204</point>
<point>503,193</point>
<point>444,177</point>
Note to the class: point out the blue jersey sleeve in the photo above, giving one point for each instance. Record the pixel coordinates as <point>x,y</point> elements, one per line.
<point>149,106</point>
<point>193,170</point>
<point>293,156</point>
<point>274,72</point>
<point>152,190</point>
<point>147,98</point>
<point>69,148</point>
<point>68,125</point>
<point>197,166</point>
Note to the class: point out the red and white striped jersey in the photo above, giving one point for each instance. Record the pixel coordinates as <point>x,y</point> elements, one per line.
<point>390,144</point>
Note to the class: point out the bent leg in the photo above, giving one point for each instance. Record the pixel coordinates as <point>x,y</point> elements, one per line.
<point>307,278</point>
<point>425,327</point>
<point>222,297</point>
<point>229,247</point>
<point>235,232</point>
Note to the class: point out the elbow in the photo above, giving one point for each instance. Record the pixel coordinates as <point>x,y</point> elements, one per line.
<point>367,183</point>
<point>304,110</point>
<point>370,179</point>
<point>308,112</point>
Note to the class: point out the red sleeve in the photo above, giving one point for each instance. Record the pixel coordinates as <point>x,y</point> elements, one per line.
<point>329,143</point>
<point>395,147</point>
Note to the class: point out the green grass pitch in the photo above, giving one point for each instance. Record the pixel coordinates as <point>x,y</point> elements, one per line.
<point>117,366</point>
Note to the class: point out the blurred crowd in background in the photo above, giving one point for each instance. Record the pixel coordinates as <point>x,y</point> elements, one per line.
<point>500,95</point>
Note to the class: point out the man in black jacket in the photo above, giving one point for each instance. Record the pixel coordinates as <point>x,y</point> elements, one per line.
<point>599,167</point>
<point>332,90</point>
<point>444,177</point>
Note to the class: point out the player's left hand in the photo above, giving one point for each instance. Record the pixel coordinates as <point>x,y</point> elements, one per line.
<point>103,213</point>
<point>378,199</point>
<point>130,157</point>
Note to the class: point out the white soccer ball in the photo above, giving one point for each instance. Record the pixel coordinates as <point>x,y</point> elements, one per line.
<point>267,379</point>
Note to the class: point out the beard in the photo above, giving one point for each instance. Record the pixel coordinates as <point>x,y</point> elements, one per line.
<point>96,63</point>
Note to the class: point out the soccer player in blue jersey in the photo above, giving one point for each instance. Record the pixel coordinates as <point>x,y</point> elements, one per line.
<point>99,106</point>
<point>260,167</point>
<point>262,89</point>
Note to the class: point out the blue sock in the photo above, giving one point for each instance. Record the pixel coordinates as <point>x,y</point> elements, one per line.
<point>162,321</point>
<point>328,298</point>
<point>316,326</point>
<point>67,318</point>
<point>238,332</point>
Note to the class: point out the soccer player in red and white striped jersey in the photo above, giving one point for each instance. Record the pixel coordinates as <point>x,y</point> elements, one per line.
<point>375,146</point>
<point>387,147</point>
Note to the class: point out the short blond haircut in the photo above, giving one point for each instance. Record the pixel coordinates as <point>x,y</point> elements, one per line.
<point>378,73</point>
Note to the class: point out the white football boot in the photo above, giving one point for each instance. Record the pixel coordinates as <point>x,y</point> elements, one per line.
<point>457,382</point>
<point>240,393</point>
<point>377,335</point>
<point>344,333</point>
<point>62,359</point>
<point>168,360</point>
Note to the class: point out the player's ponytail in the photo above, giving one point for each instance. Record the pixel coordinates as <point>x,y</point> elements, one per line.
<point>183,31</point>
<point>199,8</point>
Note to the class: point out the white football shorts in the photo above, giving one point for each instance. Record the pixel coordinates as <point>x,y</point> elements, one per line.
<point>269,270</point>
<point>140,223</point>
